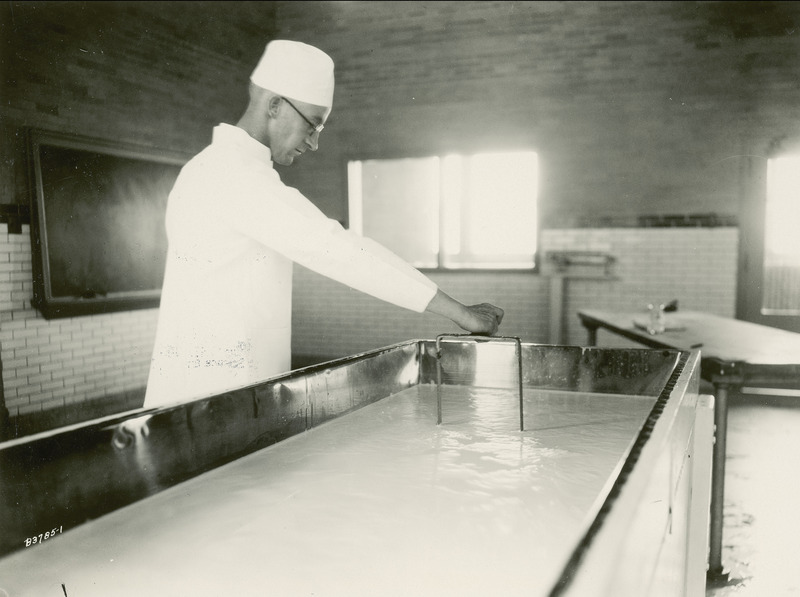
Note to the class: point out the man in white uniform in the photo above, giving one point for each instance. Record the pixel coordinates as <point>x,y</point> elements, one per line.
<point>234,230</point>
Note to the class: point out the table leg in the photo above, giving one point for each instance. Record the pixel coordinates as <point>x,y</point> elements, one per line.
<point>715,571</point>
<point>592,334</point>
<point>557,288</point>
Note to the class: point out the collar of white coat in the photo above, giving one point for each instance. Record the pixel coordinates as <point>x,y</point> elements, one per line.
<point>229,134</point>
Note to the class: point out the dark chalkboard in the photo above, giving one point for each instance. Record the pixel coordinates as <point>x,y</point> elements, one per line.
<point>97,225</point>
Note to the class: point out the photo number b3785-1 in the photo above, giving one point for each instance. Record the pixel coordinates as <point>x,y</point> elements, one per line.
<point>42,537</point>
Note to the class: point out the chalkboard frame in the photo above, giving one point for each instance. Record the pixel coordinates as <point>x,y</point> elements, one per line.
<point>53,305</point>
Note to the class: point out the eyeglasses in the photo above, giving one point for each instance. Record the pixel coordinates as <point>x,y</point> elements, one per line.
<point>317,128</point>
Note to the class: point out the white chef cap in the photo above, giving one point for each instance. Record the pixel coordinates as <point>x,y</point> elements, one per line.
<point>296,70</point>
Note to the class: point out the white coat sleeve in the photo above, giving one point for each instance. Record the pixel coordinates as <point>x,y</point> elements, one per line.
<point>282,219</point>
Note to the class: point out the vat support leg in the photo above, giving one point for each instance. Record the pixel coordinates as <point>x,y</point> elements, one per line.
<point>715,571</point>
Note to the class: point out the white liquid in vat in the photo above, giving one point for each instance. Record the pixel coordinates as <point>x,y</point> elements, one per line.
<point>381,502</point>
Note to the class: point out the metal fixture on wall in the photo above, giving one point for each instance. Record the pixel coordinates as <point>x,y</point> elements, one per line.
<point>561,266</point>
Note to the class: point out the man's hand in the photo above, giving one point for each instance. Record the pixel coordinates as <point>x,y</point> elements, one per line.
<point>477,319</point>
<point>486,318</point>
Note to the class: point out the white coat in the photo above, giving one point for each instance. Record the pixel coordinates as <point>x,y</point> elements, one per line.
<point>234,230</point>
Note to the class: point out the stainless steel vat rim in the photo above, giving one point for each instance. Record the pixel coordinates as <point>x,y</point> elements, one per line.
<point>255,416</point>
<point>570,570</point>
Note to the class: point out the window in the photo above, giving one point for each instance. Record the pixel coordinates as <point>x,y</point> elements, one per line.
<point>781,288</point>
<point>450,212</point>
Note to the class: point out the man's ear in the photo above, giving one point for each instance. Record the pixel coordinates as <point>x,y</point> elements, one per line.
<point>273,106</point>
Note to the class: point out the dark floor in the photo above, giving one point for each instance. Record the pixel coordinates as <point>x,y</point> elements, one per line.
<point>761,525</point>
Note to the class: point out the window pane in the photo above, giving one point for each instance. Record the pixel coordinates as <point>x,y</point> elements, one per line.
<point>498,221</point>
<point>781,244</point>
<point>400,207</point>
<point>456,212</point>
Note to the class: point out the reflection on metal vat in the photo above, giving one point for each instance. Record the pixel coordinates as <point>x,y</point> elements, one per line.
<point>646,534</point>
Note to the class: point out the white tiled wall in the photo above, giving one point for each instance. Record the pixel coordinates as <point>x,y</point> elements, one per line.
<point>696,266</point>
<point>47,364</point>
<point>332,320</point>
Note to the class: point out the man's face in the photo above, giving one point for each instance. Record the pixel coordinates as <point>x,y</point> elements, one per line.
<point>295,132</point>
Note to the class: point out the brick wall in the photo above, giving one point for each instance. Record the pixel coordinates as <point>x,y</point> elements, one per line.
<point>52,364</point>
<point>634,108</point>
<point>696,266</point>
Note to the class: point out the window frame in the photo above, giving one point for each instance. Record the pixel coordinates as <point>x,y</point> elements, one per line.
<point>536,268</point>
<point>752,237</point>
